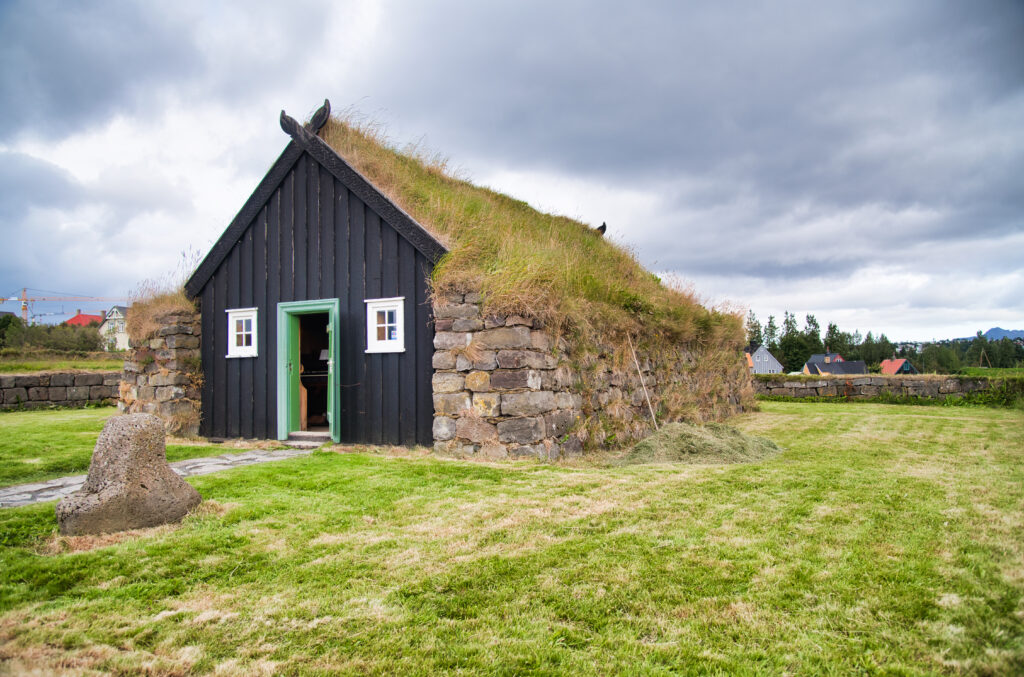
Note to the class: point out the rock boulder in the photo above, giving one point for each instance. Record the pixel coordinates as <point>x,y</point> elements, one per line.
<point>130,485</point>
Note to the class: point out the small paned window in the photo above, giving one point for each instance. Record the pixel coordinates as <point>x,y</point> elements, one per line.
<point>385,331</point>
<point>242,332</point>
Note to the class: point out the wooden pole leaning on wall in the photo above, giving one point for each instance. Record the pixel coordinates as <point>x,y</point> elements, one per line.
<point>642,384</point>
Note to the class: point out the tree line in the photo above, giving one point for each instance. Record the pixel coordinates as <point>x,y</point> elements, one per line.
<point>60,337</point>
<point>793,346</point>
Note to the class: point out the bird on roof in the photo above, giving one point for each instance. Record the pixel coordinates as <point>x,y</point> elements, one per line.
<point>603,227</point>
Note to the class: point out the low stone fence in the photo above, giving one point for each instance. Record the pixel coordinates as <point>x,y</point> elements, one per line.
<point>163,375</point>
<point>869,386</point>
<point>58,389</point>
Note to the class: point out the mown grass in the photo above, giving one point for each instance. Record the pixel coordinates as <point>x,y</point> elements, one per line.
<point>882,540</point>
<point>45,444</point>
<point>33,366</point>
<point>999,372</point>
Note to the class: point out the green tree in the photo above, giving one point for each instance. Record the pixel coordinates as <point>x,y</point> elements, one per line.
<point>6,322</point>
<point>771,334</point>
<point>792,344</point>
<point>754,334</point>
<point>812,336</point>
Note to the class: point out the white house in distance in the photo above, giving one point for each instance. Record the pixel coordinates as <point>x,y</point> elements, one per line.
<point>112,329</point>
<point>761,361</point>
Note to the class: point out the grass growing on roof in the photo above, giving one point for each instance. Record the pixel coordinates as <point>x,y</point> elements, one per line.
<point>526,262</point>
<point>883,540</point>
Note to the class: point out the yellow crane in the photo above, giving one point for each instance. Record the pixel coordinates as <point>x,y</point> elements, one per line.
<point>25,300</point>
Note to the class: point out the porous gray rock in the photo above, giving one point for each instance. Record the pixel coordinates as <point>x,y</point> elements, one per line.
<point>130,485</point>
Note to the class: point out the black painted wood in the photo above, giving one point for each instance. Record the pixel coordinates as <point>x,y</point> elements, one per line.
<point>232,377</point>
<point>206,355</point>
<point>314,237</point>
<point>299,227</point>
<point>260,286</point>
<point>407,384</point>
<point>268,350</point>
<point>245,366</point>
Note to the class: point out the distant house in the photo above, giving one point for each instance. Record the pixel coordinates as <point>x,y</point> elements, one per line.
<point>900,366</point>
<point>825,364</point>
<point>84,320</point>
<point>112,329</point>
<point>760,361</point>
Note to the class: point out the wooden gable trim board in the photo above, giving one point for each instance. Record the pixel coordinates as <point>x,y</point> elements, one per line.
<point>305,140</point>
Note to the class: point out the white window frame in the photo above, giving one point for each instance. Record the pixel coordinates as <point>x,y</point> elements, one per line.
<point>241,314</point>
<point>373,344</point>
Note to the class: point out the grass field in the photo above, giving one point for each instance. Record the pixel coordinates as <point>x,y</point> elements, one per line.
<point>1005,372</point>
<point>44,444</point>
<point>14,361</point>
<point>882,540</point>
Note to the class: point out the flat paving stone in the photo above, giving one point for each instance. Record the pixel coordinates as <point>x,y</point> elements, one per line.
<point>51,490</point>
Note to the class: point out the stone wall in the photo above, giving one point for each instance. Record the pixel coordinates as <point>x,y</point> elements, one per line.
<point>504,386</point>
<point>162,376</point>
<point>868,386</point>
<point>500,388</point>
<point>57,389</point>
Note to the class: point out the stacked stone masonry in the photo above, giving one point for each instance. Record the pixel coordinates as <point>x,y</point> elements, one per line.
<point>865,387</point>
<point>504,387</point>
<point>162,376</point>
<point>57,389</point>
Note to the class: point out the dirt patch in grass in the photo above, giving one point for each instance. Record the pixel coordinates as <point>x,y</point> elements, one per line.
<point>709,444</point>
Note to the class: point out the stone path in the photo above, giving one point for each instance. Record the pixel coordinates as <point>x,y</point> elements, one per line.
<point>51,490</point>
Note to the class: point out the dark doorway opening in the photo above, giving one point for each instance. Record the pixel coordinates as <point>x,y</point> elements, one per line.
<point>314,353</point>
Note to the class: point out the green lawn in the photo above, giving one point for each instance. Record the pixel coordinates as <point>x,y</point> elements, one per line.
<point>29,366</point>
<point>883,540</point>
<point>48,443</point>
<point>1004,372</point>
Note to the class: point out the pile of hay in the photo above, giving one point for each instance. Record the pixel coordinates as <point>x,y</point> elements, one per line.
<point>708,444</point>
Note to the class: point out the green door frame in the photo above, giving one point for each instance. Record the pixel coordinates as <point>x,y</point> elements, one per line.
<point>288,363</point>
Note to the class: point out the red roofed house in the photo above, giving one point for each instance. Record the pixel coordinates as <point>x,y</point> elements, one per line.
<point>900,366</point>
<point>82,320</point>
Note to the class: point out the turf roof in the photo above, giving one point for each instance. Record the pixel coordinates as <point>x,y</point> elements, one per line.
<point>524,261</point>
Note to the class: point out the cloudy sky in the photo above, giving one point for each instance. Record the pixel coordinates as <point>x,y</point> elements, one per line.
<point>863,161</point>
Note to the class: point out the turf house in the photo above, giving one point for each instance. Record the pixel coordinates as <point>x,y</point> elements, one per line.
<point>365,293</point>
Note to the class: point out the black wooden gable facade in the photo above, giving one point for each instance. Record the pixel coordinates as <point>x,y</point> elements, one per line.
<point>317,229</point>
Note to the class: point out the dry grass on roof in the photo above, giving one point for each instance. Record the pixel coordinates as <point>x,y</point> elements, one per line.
<point>526,262</point>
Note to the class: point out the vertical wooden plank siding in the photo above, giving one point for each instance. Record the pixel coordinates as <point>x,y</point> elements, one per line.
<point>374,363</point>
<point>407,381</point>
<point>326,229</point>
<point>269,314</point>
<point>260,282</point>
<point>341,275</point>
<point>314,239</point>
<point>357,316</point>
<point>299,227</point>
<point>245,366</point>
<point>208,312</point>
<point>390,383</point>
<point>313,233</point>
<point>233,295</point>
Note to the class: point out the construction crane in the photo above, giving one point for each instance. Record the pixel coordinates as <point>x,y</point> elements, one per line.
<point>25,300</point>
